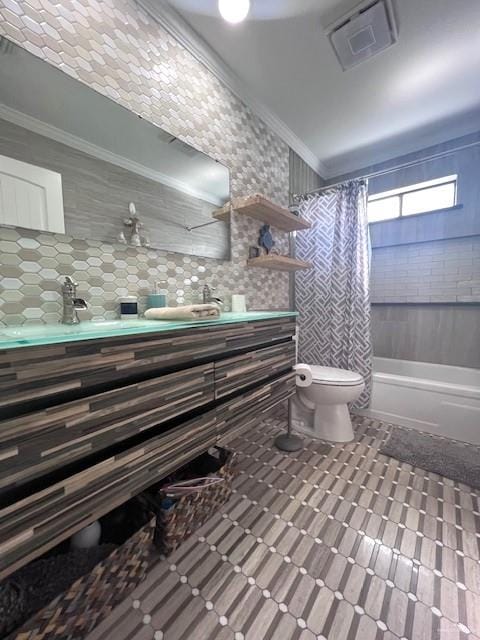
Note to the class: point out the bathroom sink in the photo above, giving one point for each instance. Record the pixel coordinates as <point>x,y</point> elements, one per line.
<point>43,334</point>
<point>52,333</point>
<point>88,326</point>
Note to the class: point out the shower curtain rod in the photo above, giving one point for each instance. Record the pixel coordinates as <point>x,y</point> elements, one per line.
<point>405,165</point>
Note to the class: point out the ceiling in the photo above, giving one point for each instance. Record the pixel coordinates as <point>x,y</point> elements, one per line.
<point>423,90</point>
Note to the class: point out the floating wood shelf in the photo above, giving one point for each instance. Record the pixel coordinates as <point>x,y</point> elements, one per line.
<point>280,263</point>
<point>262,209</point>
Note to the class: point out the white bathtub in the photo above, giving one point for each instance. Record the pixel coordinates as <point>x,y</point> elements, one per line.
<point>436,398</point>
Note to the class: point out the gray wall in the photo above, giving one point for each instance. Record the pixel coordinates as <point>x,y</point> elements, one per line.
<point>426,269</point>
<point>96,195</point>
<point>302,180</point>
<point>302,177</point>
<point>444,334</point>
<point>444,224</point>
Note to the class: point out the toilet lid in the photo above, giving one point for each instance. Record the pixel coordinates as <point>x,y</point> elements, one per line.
<point>334,376</point>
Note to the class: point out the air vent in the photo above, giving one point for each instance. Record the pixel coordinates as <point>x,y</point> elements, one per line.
<point>362,34</point>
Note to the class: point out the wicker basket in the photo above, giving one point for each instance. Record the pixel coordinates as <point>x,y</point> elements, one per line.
<point>74,613</point>
<point>191,511</point>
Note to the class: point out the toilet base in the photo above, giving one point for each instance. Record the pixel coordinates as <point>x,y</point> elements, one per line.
<point>328,421</point>
<point>332,422</point>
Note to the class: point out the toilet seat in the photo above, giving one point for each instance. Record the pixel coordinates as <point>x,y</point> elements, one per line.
<point>335,377</point>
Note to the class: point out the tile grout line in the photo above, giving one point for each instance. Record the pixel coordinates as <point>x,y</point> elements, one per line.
<point>369,510</point>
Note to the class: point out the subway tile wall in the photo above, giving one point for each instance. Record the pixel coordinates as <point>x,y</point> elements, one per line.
<point>441,271</point>
<point>118,50</point>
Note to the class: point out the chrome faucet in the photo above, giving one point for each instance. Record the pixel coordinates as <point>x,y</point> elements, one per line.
<point>70,302</point>
<point>207,296</point>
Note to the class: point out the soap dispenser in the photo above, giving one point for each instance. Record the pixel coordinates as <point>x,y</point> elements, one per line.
<point>159,298</point>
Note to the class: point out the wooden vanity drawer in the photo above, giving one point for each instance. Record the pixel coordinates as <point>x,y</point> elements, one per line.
<point>35,377</point>
<point>242,412</point>
<point>33,525</point>
<point>37,443</point>
<point>234,374</point>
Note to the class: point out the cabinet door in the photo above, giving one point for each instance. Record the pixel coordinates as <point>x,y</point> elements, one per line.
<point>244,411</point>
<point>38,522</point>
<point>234,374</point>
<point>40,442</point>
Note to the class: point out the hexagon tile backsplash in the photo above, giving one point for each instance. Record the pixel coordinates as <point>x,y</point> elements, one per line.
<point>33,263</point>
<point>120,51</point>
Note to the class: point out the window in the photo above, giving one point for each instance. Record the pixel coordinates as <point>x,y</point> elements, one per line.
<point>416,198</point>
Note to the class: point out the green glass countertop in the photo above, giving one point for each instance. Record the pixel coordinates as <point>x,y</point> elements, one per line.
<point>35,335</point>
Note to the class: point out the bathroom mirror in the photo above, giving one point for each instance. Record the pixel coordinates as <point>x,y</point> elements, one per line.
<point>73,161</point>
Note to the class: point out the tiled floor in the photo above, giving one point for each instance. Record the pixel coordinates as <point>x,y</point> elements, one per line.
<point>336,542</point>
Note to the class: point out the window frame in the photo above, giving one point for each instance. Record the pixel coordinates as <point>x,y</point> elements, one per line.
<point>401,192</point>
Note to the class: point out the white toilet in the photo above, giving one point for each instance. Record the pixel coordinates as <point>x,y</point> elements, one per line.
<point>321,410</point>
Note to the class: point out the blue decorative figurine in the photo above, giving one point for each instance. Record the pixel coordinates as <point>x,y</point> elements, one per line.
<point>265,239</point>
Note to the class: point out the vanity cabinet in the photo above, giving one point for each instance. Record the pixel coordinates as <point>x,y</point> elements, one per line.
<point>31,526</point>
<point>39,376</point>
<point>86,425</point>
<point>241,412</point>
<point>239,372</point>
<point>43,441</point>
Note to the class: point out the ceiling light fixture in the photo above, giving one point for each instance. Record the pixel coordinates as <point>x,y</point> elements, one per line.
<point>234,11</point>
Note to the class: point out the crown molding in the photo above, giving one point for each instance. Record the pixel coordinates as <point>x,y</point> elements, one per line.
<point>173,22</point>
<point>70,140</point>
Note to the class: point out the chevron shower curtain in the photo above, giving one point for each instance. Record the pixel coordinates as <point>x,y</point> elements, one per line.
<point>333,297</point>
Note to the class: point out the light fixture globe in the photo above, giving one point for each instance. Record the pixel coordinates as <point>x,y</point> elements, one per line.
<point>234,11</point>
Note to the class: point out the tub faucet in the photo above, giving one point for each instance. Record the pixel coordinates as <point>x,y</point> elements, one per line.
<point>207,296</point>
<point>70,302</point>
